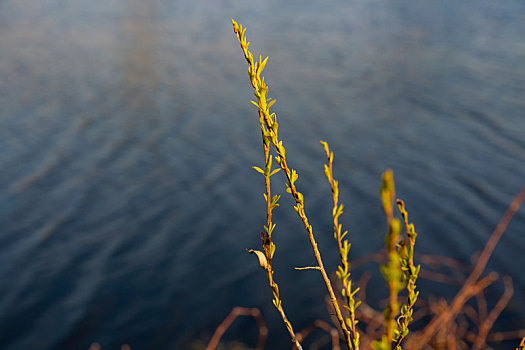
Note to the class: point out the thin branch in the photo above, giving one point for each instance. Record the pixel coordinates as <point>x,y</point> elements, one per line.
<point>493,315</point>
<point>482,307</point>
<point>269,127</point>
<point>501,336</point>
<point>343,271</point>
<point>334,334</point>
<point>232,316</point>
<point>308,268</point>
<point>261,89</point>
<point>443,319</point>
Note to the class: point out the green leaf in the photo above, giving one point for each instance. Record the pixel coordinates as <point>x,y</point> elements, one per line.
<point>346,247</point>
<point>325,145</point>
<point>258,169</point>
<point>337,211</point>
<point>335,188</point>
<point>277,303</point>
<point>270,229</point>
<point>275,171</point>
<point>380,345</point>
<point>280,149</point>
<point>327,172</point>
<point>273,203</point>
<point>275,127</point>
<point>294,177</point>
<point>261,65</point>
<point>340,272</point>
<point>348,322</point>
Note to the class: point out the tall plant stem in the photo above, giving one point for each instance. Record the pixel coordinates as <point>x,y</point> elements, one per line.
<point>343,272</point>
<point>267,243</point>
<point>317,253</point>
<point>265,259</point>
<point>269,128</point>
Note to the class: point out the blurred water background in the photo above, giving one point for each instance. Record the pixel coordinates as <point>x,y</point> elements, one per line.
<point>127,141</point>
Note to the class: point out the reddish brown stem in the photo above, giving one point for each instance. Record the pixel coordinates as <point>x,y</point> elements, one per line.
<point>236,312</point>
<point>444,318</point>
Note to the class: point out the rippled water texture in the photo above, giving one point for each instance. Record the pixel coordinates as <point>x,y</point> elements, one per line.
<point>127,141</point>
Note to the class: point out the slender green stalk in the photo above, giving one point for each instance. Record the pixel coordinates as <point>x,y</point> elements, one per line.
<point>399,272</point>
<point>269,128</point>
<point>411,273</point>
<point>265,259</point>
<point>392,269</point>
<point>343,271</point>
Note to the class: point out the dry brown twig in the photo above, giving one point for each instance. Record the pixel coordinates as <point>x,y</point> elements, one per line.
<point>334,334</point>
<point>472,284</point>
<point>232,316</point>
<point>488,322</point>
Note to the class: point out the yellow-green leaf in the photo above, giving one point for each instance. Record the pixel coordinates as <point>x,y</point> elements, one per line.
<point>258,169</point>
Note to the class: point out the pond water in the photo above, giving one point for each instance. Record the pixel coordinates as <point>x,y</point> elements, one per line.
<point>127,139</point>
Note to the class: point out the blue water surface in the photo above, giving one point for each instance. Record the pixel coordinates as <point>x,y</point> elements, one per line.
<point>127,140</point>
